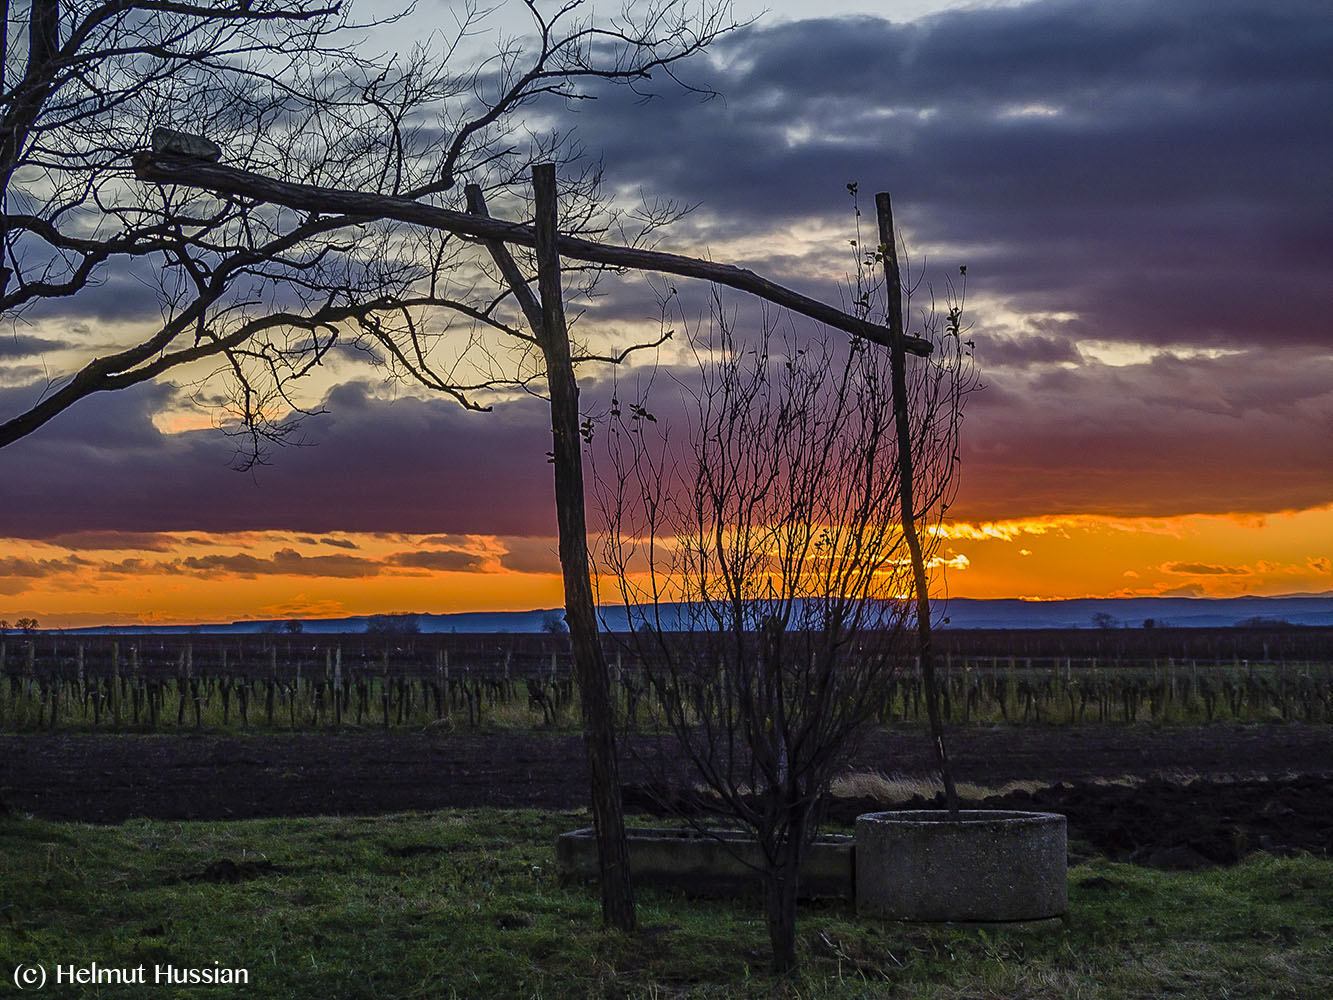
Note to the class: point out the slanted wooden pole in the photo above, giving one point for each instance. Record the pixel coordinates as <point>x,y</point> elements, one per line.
<point>599,734</point>
<point>509,269</point>
<point>898,365</point>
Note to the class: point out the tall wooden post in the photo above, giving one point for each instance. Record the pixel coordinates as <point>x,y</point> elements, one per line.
<point>898,363</point>
<point>590,667</point>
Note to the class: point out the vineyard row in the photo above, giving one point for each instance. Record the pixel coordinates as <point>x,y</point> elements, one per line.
<point>141,689</point>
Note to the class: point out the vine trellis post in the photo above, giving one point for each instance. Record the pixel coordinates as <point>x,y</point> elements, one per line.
<point>546,318</point>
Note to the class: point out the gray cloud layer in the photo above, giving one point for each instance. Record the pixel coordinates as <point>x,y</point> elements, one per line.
<point>1159,172</point>
<point>372,465</point>
<point>1177,194</point>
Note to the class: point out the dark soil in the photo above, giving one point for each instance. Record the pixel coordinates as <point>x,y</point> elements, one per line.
<point>1166,825</point>
<point>1211,794</point>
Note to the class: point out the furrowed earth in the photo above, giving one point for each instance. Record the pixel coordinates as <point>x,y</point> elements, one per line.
<point>1169,796</point>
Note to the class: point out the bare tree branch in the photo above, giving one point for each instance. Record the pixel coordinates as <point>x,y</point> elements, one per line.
<point>278,84</point>
<point>762,564</point>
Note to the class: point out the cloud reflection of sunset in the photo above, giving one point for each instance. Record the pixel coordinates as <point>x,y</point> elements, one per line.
<point>1150,424</point>
<point>166,577</point>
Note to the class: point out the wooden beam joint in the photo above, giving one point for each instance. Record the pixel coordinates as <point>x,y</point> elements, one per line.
<point>197,173</point>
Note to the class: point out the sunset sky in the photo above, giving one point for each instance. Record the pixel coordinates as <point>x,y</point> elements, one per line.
<point>1141,194</point>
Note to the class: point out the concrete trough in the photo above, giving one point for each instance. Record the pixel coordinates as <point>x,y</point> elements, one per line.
<point>987,866</point>
<point>718,863</point>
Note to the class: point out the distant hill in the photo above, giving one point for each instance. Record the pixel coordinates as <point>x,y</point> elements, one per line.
<point>1180,612</point>
<point>960,612</point>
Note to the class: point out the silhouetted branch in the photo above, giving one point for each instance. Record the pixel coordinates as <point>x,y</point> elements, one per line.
<point>281,86</point>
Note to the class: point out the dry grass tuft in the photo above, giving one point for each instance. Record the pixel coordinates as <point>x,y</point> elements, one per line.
<point>895,789</point>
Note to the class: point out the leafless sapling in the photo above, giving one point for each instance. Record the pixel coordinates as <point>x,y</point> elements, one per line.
<point>760,554</point>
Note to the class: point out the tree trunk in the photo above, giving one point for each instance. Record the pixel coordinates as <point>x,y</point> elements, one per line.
<point>780,907</point>
<point>898,361</point>
<point>781,889</point>
<point>26,96</point>
<point>590,668</point>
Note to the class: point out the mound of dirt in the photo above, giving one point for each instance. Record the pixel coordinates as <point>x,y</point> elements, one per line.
<point>1156,823</point>
<point>1194,825</point>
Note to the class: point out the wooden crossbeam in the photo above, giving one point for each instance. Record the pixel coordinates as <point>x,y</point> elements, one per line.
<point>169,168</point>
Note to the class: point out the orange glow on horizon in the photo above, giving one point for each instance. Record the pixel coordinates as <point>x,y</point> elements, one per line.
<point>194,577</point>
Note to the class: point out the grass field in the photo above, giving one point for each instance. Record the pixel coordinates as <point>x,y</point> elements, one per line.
<point>468,904</point>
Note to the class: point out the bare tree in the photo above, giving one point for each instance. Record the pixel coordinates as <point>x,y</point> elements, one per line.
<point>87,83</point>
<point>262,295</point>
<point>266,293</point>
<point>763,563</point>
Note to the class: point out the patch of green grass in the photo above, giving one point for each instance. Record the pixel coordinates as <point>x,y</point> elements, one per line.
<point>467,903</point>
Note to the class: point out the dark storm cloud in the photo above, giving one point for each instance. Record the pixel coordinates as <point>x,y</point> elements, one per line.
<point>1172,197</point>
<point>532,555</point>
<point>1144,172</point>
<point>19,566</point>
<point>126,294</point>
<point>143,541</point>
<point>1245,433</point>
<point>1020,352</point>
<point>17,573</point>
<point>284,562</point>
<point>1177,196</point>
<point>438,561</point>
<point>1204,569</point>
<point>402,465</point>
<point>22,345</point>
<point>338,543</point>
<point>116,420</point>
